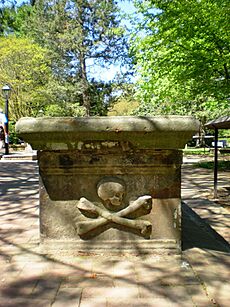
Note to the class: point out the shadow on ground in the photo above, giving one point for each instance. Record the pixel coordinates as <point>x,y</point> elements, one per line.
<point>197,233</point>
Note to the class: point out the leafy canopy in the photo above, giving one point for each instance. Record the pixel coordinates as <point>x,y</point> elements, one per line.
<point>26,68</point>
<point>183,57</point>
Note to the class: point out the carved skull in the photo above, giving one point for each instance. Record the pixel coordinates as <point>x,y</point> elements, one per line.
<point>111,192</point>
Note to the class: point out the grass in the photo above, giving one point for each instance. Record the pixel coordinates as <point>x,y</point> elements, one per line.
<point>203,151</point>
<point>222,165</point>
<point>198,151</point>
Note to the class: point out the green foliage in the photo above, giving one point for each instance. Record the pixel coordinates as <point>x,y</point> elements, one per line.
<point>13,136</point>
<point>12,18</point>
<point>26,68</point>
<point>183,57</point>
<point>124,102</point>
<point>67,109</point>
<point>123,107</point>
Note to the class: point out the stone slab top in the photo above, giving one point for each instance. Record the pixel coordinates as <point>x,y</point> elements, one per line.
<point>68,133</point>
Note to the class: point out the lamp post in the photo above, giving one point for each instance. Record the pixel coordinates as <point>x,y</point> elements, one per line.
<point>6,94</point>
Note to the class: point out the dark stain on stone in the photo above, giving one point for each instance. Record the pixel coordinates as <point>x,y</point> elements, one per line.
<point>65,160</point>
<point>94,159</point>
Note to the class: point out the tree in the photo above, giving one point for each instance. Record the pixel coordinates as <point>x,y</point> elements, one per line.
<point>12,18</point>
<point>25,66</point>
<point>80,33</point>
<point>124,101</point>
<point>183,56</point>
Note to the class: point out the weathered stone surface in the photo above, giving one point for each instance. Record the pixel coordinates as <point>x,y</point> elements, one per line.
<point>110,183</point>
<point>78,133</point>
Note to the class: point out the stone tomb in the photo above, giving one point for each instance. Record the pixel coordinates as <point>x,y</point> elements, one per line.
<point>109,184</point>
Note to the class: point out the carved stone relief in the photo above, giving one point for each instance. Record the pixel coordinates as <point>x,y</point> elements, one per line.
<point>112,209</point>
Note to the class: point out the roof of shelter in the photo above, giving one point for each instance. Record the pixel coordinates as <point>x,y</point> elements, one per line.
<point>219,123</point>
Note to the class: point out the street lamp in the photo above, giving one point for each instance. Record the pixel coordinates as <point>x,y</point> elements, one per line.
<point>6,94</point>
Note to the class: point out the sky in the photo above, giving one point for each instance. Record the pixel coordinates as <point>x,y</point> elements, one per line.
<point>126,6</point>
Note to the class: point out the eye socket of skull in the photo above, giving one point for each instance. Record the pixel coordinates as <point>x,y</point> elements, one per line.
<point>111,192</point>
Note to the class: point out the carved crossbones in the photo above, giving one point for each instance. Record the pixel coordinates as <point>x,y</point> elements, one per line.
<point>105,216</point>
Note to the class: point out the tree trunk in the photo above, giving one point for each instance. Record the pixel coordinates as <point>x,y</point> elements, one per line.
<point>85,93</point>
<point>82,58</point>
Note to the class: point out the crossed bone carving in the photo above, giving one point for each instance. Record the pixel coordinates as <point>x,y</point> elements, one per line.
<point>104,217</point>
